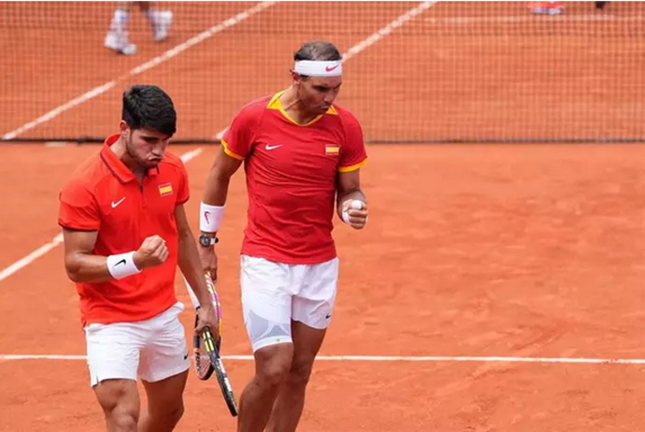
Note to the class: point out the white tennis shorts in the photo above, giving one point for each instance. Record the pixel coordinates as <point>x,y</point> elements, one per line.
<point>154,349</point>
<point>273,294</point>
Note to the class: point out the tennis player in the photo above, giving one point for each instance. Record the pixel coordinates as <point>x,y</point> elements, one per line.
<point>302,156</point>
<point>125,231</point>
<point>118,39</point>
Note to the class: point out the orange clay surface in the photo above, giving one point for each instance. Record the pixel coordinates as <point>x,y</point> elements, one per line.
<point>517,250</point>
<point>470,251</point>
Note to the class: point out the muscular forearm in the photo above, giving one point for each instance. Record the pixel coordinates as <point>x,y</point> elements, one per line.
<point>216,188</point>
<point>191,267</point>
<point>85,268</point>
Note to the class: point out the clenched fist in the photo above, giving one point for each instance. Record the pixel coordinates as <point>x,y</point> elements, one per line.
<point>151,253</point>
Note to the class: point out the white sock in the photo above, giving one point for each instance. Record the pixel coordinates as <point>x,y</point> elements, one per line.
<point>120,20</point>
<point>150,14</point>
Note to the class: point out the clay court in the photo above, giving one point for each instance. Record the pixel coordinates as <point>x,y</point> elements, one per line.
<point>498,284</point>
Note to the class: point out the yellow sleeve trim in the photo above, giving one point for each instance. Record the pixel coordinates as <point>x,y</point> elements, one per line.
<point>352,167</point>
<point>230,153</point>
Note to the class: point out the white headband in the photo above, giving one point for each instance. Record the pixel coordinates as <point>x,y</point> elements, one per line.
<point>319,68</point>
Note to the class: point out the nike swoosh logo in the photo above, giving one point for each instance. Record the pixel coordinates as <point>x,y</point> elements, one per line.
<point>119,263</point>
<point>206,216</point>
<point>186,356</point>
<point>328,316</point>
<point>269,147</point>
<point>115,204</point>
<point>329,69</point>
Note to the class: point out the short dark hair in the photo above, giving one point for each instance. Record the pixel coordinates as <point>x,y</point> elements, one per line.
<point>317,51</point>
<point>149,107</point>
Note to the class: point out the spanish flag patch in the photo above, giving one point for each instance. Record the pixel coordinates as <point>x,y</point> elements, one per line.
<point>165,189</point>
<point>331,149</point>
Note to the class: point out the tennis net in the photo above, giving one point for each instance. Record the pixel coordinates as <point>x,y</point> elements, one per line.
<point>414,72</point>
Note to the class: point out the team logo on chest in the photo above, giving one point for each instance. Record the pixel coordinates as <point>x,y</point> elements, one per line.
<point>165,189</point>
<point>332,149</point>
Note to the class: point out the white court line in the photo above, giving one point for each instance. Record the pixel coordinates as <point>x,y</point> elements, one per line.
<point>31,257</point>
<point>221,133</point>
<point>533,19</point>
<point>190,155</point>
<point>140,69</point>
<point>373,38</point>
<point>59,238</point>
<point>385,31</point>
<point>427,359</point>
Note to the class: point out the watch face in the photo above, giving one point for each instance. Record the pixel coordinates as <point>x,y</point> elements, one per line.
<point>205,240</point>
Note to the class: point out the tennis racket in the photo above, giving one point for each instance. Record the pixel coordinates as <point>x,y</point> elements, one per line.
<point>206,349</point>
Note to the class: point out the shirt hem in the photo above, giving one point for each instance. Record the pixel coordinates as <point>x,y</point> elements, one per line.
<point>277,258</point>
<point>125,317</point>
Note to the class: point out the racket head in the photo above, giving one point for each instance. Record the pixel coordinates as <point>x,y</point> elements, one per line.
<point>204,359</point>
<point>205,347</point>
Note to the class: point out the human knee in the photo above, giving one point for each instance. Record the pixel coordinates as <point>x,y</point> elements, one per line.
<point>273,367</point>
<point>120,402</point>
<point>299,373</point>
<point>167,411</point>
<point>123,419</point>
<point>175,414</point>
<point>168,416</point>
<point>274,374</point>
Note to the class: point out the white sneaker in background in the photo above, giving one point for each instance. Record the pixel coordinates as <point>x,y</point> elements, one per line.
<point>161,21</point>
<point>118,41</point>
<point>556,10</point>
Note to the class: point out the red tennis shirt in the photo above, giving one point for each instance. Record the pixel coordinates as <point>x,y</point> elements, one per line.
<point>291,173</point>
<point>104,195</point>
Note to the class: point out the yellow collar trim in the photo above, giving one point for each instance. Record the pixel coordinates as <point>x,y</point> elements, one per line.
<point>274,104</point>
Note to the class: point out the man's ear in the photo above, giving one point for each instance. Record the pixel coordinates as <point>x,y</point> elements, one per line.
<point>297,79</point>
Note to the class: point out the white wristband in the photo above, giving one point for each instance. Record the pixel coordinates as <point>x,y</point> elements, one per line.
<point>210,217</point>
<point>122,265</point>
<point>356,205</point>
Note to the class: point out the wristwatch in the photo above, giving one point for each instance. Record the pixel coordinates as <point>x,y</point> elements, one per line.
<point>206,240</point>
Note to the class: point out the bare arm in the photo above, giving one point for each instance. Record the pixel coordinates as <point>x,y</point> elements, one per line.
<point>215,194</point>
<point>82,266</point>
<point>219,177</point>
<point>349,188</point>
